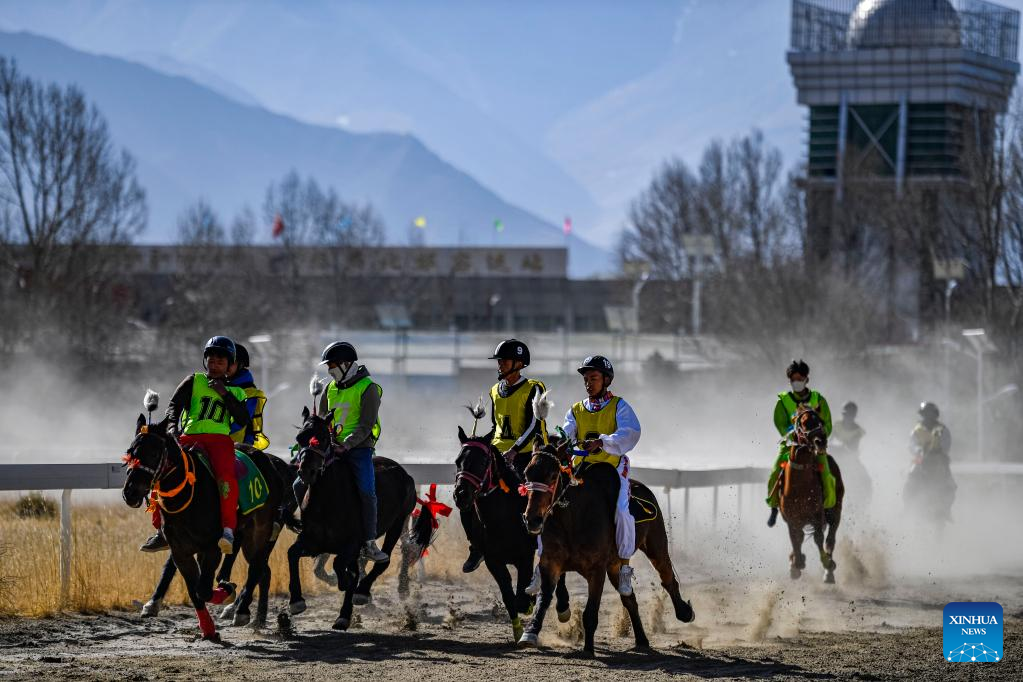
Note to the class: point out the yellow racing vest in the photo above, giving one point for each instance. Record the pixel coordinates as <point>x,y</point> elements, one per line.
<point>260,441</point>
<point>593,425</point>
<point>513,414</point>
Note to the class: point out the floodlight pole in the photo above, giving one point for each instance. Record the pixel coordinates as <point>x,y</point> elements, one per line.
<point>978,340</point>
<point>636,289</point>
<point>260,343</point>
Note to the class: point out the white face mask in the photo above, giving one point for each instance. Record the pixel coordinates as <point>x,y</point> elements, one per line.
<point>798,386</point>
<point>338,374</point>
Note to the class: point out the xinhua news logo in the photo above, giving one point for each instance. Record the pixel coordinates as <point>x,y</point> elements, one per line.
<point>972,632</point>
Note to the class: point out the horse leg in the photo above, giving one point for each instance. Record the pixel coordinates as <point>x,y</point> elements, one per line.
<point>296,604</point>
<point>225,593</point>
<point>797,561</point>
<point>524,603</point>
<point>263,605</point>
<point>655,546</point>
<point>502,577</point>
<point>208,562</point>
<point>346,568</point>
<point>191,573</point>
<point>595,582</point>
<point>320,570</point>
<point>818,539</point>
<point>152,607</point>
<point>632,607</point>
<point>833,516</point>
<point>362,592</point>
<point>531,636</point>
<point>256,556</point>
<point>561,592</point>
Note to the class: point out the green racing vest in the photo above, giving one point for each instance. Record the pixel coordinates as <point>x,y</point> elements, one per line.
<point>345,405</point>
<point>207,412</point>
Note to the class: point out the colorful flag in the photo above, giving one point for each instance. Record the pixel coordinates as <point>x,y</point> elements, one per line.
<point>420,222</point>
<point>278,228</point>
<point>567,225</point>
<point>498,224</point>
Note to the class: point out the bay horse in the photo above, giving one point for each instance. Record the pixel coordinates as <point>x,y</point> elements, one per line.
<point>332,517</point>
<point>574,516</point>
<point>483,484</point>
<point>189,499</point>
<point>151,608</point>
<point>802,494</point>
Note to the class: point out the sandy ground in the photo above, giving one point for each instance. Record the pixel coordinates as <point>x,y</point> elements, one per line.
<point>451,629</point>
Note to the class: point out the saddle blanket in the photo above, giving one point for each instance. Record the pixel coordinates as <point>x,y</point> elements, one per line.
<point>253,491</point>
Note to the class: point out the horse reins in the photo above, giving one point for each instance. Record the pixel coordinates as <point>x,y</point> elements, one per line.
<point>486,484</point>
<point>557,491</point>
<point>157,474</point>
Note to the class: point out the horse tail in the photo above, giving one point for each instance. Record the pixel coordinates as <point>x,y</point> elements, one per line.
<point>421,532</point>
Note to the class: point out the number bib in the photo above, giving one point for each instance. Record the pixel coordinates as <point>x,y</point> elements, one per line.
<point>207,412</point>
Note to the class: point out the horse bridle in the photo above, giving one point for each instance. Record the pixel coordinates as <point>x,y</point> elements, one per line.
<point>803,441</point>
<point>557,491</point>
<point>482,485</point>
<point>131,461</point>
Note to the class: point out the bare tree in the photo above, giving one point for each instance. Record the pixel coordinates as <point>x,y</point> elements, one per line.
<point>199,226</point>
<point>68,199</point>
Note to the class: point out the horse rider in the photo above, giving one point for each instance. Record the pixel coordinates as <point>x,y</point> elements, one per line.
<point>255,402</point>
<point>200,414</point>
<point>608,429</point>
<point>515,427</point>
<point>930,443</point>
<point>352,400</point>
<point>798,373</point>
<point>847,434</point>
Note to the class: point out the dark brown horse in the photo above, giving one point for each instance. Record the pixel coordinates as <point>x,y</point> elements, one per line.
<point>575,519</point>
<point>802,494</point>
<point>190,507</point>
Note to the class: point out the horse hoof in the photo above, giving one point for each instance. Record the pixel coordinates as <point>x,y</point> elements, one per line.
<point>329,578</point>
<point>517,629</point>
<point>794,573</point>
<point>215,637</point>
<point>259,623</point>
<point>529,640</point>
<point>227,613</point>
<point>297,607</point>
<point>684,612</point>
<point>829,578</point>
<point>564,616</point>
<point>151,608</point>
<point>241,619</point>
<point>341,623</point>
<point>361,599</point>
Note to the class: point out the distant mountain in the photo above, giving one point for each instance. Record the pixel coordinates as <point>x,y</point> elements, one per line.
<point>192,141</point>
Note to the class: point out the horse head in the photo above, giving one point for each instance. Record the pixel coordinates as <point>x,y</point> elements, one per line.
<point>145,459</point>
<point>811,437</point>
<point>543,477</point>
<point>475,468</point>
<point>314,440</point>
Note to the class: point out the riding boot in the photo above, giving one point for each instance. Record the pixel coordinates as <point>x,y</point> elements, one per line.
<point>772,481</point>
<point>773,518</point>
<point>827,480</point>
<point>156,543</point>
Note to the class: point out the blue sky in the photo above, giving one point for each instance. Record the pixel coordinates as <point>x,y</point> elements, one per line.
<point>565,108</point>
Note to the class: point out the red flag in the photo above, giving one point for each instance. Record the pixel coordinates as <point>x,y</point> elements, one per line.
<point>567,226</point>
<point>278,228</point>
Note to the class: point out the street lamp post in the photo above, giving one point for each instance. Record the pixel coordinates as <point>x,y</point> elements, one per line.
<point>260,342</point>
<point>981,345</point>
<point>636,289</point>
<point>698,246</point>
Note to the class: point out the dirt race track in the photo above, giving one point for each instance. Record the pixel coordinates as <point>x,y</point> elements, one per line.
<point>450,630</point>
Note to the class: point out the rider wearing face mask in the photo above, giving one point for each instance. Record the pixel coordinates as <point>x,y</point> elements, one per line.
<point>353,400</point>
<point>785,409</point>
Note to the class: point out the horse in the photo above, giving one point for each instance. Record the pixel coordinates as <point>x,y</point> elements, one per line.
<point>188,496</point>
<point>481,484</point>
<point>574,516</point>
<point>929,491</point>
<point>331,517</point>
<point>151,608</point>
<point>802,494</point>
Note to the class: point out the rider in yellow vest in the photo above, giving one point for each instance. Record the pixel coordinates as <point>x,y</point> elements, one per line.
<point>255,402</point>
<point>515,427</point>
<point>353,400</point>
<point>608,429</point>
<point>784,420</point>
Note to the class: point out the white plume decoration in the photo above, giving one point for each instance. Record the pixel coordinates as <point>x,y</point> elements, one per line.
<point>151,401</point>
<point>315,386</point>
<point>542,405</point>
<point>477,410</point>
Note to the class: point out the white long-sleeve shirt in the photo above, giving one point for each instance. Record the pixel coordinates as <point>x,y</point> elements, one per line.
<point>623,440</point>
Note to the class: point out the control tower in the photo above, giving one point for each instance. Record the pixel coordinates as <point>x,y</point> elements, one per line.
<point>896,90</point>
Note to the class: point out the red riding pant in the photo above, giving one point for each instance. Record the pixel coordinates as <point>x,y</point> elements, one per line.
<point>220,449</point>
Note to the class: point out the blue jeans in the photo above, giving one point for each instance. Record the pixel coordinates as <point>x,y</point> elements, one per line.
<point>361,461</point>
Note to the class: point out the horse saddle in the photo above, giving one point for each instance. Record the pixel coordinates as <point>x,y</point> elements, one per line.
<point>642,509</point>
<point>253,491</point>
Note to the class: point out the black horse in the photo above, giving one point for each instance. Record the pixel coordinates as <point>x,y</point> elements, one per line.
<point>576,522</point>
<point>190,506</point>
<point>483,483</point>
<point>287,474</point>
<point>332,517</point>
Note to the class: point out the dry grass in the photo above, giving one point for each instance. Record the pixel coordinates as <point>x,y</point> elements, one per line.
<point>108,571</point>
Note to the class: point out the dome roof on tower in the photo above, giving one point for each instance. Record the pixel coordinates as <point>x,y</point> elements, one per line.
<point>904,23</point>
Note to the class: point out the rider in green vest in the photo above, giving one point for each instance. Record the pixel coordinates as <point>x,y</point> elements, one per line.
<point>515,427</point>
<point>785,409</point>
<point>353,400</point>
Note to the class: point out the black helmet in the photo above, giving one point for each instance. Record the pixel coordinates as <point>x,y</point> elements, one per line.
<point>928,411</point>
<point>221,345</point>
<point>797,367</point>
<point>339,351</point>
<point>241,356</point>
<point>850,409</point>
<point>512,349</point>
<point>599,363</point>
